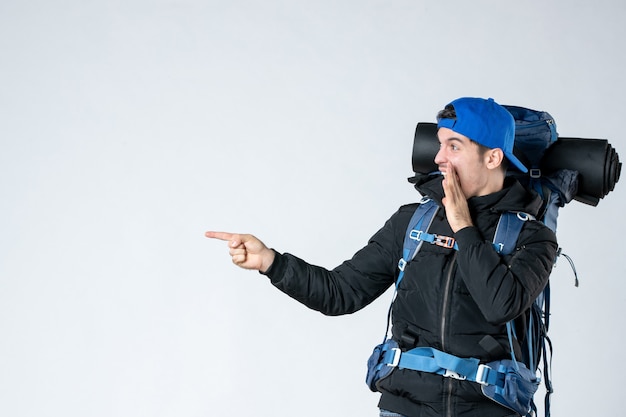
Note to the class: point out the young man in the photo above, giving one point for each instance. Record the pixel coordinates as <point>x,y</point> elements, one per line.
<point>456,301</point>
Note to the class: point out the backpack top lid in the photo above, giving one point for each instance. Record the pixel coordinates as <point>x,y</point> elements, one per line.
<point>535,132</point>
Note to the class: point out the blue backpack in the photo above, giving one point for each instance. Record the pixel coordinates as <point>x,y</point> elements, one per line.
<point>508,382</point>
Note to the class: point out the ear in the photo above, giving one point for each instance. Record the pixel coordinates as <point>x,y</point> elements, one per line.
<point>494,158</point>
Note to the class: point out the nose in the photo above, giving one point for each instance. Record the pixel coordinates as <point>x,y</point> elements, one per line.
<point>440,157</point>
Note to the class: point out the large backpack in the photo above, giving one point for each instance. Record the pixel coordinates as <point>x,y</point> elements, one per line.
<point>508,382</point>
<point>558,177</point>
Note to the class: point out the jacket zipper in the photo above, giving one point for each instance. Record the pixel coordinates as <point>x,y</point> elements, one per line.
<point>444,323</point>
<point>548,122</point>
<point>449,398</point>
<point>446,300</point>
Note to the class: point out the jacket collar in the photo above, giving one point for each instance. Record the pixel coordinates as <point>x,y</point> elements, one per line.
<point>513,197</point>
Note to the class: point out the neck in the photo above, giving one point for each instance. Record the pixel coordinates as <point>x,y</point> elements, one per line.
<point>493,184</point>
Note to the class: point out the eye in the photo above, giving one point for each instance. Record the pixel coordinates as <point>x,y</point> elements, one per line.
<point>451,146</point>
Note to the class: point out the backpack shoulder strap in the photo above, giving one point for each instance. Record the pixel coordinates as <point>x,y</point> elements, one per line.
<point>420,222</point>
<point>538,345</point>
<point>508,230</point>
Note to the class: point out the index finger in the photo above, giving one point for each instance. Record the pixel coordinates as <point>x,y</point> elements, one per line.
<point>220,235</point>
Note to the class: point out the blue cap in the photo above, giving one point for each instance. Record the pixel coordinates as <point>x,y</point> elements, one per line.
<point>485,122</point>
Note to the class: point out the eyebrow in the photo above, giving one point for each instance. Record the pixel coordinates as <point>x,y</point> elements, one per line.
<point>452,139</point>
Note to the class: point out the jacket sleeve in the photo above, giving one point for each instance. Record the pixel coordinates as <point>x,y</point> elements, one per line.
<point>352,285</point>
<point>504,287</point>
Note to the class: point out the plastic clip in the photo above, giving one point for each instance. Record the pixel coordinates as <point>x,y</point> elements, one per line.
<point>444,241</point>
<point>396,357</point>
<point>401,264</point>
<point>416,234</point>
<point>482,373</point>
<point>454,375</point>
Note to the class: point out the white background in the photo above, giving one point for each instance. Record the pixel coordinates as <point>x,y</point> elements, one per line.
<point>128,128</point>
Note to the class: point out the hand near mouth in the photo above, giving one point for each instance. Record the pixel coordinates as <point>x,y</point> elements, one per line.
<point>455,202</point>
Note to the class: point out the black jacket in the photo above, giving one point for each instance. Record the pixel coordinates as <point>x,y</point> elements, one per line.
<point>454,301</point>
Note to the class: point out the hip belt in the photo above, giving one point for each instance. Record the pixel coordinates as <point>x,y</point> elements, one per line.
<point>508,382</point>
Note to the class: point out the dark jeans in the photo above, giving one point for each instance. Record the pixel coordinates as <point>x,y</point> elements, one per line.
<point>385,413</point>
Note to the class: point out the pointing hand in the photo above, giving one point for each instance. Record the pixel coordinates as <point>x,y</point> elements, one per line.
<point>246,251</point>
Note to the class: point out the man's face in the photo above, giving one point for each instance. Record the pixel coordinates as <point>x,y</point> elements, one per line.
<point>464,155</point>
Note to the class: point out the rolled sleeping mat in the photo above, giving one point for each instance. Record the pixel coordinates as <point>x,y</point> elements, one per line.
<point>425,147</point>
<point>595,160</point>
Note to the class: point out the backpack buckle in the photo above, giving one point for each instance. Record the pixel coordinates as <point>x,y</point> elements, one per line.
<point>401,264</point>
<point>444,241</point>
<point>416,234</point>
<point>454,375</point>
<point>396,357</point>
<point>482,374</point>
